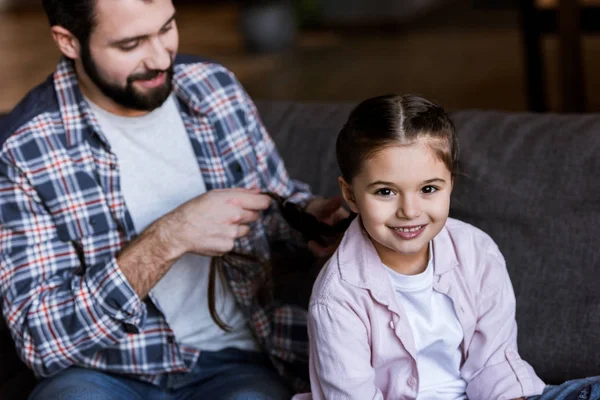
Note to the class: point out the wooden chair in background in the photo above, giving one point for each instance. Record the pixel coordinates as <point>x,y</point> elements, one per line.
<point>569,19</point>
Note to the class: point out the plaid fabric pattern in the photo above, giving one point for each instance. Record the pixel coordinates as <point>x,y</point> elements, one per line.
<point>63,221</point>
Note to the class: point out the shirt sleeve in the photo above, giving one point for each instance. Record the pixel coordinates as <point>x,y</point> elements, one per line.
<point>273,174</point>
<point>58,310</point>
<point>493,368</point>
<point>340,356</point>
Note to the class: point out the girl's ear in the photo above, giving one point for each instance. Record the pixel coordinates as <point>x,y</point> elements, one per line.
<point>348,194</point>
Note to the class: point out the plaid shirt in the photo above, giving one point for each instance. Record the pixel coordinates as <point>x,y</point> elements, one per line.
<point>63,221</point>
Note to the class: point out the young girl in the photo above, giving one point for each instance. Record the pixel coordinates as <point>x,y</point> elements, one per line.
<point>414,304</point>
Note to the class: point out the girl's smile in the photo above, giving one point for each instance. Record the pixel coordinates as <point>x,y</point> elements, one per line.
<point>409,232</point>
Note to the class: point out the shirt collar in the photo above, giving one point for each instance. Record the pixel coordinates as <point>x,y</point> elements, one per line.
<point>360,265</point>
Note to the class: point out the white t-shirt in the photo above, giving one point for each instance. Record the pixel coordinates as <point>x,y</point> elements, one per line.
<point>437,334</point>
<point>159,172</point>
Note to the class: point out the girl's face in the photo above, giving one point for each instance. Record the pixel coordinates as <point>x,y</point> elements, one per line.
<point>402,195</point>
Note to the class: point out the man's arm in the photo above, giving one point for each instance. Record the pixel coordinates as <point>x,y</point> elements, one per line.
<point>208,225</point>
<point>58,315</point>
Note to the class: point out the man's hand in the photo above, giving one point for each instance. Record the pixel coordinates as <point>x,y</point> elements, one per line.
<point>206,225</point>
<point>209,224</point>
<point>329,211</point>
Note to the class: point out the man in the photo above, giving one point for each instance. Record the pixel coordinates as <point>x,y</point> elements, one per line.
<point>122,177</point>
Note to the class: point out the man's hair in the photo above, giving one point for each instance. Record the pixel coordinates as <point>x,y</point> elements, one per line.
<point>77,16</point>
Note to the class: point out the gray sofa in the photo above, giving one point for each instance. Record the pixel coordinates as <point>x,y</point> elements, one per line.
<point>530,181</point>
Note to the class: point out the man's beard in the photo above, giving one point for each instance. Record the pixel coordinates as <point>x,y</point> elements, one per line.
<point>128,96</point>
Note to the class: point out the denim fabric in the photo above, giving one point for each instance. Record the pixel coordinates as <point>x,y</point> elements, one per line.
<point>578,389</point>
<point>228,374</point>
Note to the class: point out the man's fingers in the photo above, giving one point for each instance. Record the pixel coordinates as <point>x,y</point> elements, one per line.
<point>251,201</point>
<point>339,215</point>
<point>332,204</point>
<point>247,216</point>
<point>244,190</point>
<point>241,231</point>
<point>235,216</point>
<point>323,209</point>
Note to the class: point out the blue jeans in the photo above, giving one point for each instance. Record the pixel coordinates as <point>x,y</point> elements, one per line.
<point>579,389</point>
<point>228,374</point>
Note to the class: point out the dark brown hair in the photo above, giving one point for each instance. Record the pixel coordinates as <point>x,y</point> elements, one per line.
<point>76,16</point>
<point>216,267</point>
<point>389,120</point>
<point>261,288</point>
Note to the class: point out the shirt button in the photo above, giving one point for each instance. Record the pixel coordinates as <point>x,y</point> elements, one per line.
<point>412,382</point>
<point>237,167</point>
<point>170,339</point>
<point>92,221</point>
<point>113,166</point>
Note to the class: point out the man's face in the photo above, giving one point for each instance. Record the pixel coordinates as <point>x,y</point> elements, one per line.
<point>129,57</point>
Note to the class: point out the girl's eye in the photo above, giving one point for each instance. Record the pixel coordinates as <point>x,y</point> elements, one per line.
<point>385,192</point>
<point>166,29</point>
<point>429,190</point>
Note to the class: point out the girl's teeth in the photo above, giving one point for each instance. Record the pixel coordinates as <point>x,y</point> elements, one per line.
<point>410,229</point>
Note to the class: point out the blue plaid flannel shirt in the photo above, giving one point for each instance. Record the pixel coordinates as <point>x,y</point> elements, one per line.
<point>63,221</point>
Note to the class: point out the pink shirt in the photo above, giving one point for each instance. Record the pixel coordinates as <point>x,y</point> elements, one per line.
<point>362,345</point>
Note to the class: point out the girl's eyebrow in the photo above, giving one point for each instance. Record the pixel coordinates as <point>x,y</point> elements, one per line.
<point>433,180</point>
<point>384,183</point>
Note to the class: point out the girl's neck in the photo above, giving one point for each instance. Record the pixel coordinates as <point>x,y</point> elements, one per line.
<point>407,264</point>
